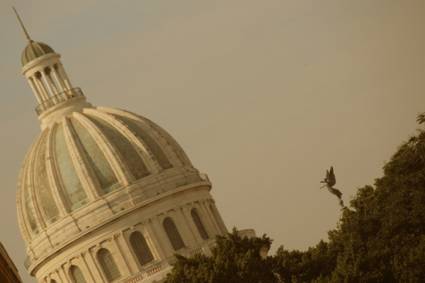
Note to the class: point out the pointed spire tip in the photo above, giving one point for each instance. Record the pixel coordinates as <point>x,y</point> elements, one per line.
<point>22,24</point>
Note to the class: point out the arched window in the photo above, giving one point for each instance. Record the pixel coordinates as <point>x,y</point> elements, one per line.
<point>140,248</point>
<point>173,234</point>
<point>38,75</point>
<point>199,225</point>
<point>108,265</point>
<point>53,281</point>
<point>76,275</point>
<point>47,70</point>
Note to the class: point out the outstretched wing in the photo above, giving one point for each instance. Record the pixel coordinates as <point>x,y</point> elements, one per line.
<point>331,178</point>
<point>325,180</point>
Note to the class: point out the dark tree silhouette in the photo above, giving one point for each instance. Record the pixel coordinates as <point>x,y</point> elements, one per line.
<point>421,118</point>
<point>380,238</point>
<point>234,259</point>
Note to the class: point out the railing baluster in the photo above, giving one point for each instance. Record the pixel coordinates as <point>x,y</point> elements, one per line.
<point>58,98</point>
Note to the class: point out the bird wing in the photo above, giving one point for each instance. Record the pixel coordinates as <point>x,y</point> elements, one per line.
<point>325,180</point>
<point>331,178</point>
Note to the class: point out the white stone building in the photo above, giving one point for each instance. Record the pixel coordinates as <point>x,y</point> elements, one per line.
<point>105,195</point>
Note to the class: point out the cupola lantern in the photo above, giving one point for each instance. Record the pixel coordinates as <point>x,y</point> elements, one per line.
<point>48,80</point>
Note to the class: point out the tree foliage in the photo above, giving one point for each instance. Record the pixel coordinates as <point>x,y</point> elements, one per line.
<point>234,259</point>
<point>379,238</point>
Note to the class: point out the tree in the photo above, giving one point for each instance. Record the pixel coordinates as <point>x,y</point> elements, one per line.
<point>421,118</point>
<point>234,259</point>
<point>380,238</point>
<point>305,266</point>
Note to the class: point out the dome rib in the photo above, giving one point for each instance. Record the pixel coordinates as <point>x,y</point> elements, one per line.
<point>124,147</point>
<point>176,158</point>
<point>53,175</point>
<point>44,196</point>
<point>88,154</point>
<point>20,196</point>
<point>31,209</point>
<point>118,165</point>
<point>98,167</point>
<point>68,178</point>
<point>141,147</point>
<point>144,136</point>
<point>172,143</point>
<point>88,182</point>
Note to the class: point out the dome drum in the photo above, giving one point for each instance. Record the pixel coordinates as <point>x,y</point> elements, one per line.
<point>148,219</point>
<point>99,212</point>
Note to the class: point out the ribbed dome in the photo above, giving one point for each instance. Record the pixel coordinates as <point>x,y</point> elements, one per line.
<point>34,50</point>
<point>86,156</point>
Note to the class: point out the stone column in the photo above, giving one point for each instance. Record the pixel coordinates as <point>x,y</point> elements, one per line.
<point>164,242</point>
<point>65,272</point>
<point>183,227</point>
<point>124,259</point>
<point>34,90</point>
<point>126,252</point>
<point>48,87</point>
<point>155,244</point>
<point>192,227</point>
<point>61,276</point>
<point>211,225</point>
<point>52,83</point>
<point>86,266</point>
<point>210,206</point>
<point>65,78</point>
<point>42,90</point>
<point>58,79</point>
<point>92,260</point>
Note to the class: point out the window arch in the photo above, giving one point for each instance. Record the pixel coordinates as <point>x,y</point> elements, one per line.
<point>76,275</point>
<point>198,223</point>
<point>108,265</point>
<point>38,75</point>
<point>173,234</point>
<point>53,281</point>
<point>141,248</point>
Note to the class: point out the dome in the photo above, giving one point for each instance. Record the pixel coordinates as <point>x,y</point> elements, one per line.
<point>105,195</point>
<point>85,157</point>
<point>34,50</point>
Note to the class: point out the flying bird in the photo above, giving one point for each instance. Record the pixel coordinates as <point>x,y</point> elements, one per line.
<point>329,182</point>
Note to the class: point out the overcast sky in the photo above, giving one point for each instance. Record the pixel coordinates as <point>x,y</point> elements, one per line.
<point>263,95</point>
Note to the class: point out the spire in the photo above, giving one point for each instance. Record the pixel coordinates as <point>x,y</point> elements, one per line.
<point>22,24</point>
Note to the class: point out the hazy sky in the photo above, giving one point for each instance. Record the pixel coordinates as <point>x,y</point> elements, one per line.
<point>262,95</point>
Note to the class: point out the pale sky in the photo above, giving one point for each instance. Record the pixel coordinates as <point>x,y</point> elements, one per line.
<point>263,95</point>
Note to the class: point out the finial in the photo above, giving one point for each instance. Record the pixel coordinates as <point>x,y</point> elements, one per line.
<point>22,24</point>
